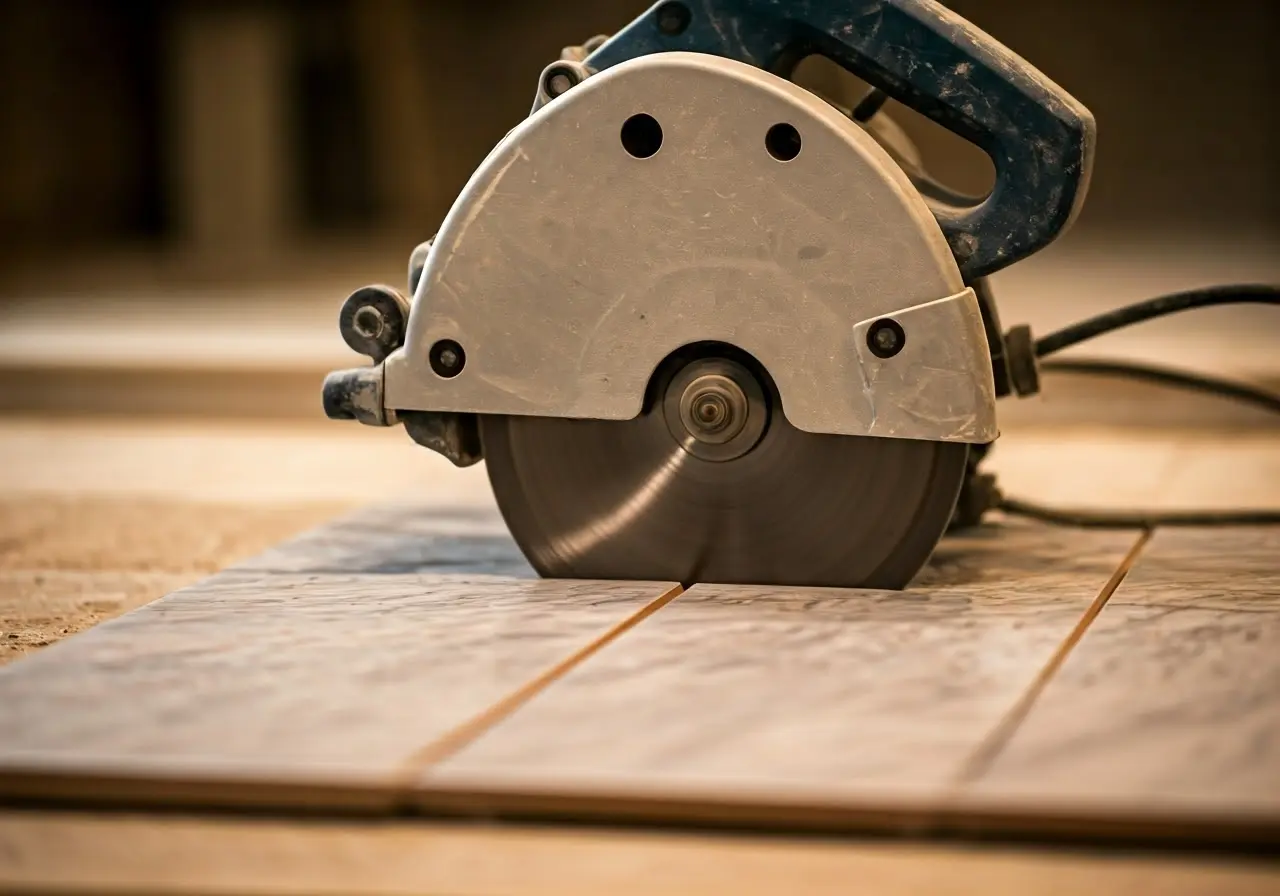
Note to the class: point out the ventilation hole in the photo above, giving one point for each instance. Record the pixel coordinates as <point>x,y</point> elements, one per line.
<point>641,135</point>
<point>783,142</point>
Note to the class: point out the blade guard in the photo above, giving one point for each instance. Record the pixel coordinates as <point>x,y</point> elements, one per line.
<point>1040,139</point>
<point>573,264</point>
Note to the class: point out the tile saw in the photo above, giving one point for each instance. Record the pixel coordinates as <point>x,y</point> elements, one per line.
<point>702,324</point>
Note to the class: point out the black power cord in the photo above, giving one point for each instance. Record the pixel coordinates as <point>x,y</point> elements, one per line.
<point>1168,376</point>
<point>1135,519</point>
<point>1123,317</point>
<point>1158,307</point>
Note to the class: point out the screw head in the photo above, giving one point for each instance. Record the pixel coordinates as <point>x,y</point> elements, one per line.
<point>886,338</point>
<point>673,18</point>
<point>559,81</point>
<point>447,358</point>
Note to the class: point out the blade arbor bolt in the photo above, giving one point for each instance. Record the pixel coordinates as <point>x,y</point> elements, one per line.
<point>713,408</point>
<point>886,338</point>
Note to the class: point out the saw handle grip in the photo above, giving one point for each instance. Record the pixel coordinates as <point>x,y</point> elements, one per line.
<point>1040,140</point>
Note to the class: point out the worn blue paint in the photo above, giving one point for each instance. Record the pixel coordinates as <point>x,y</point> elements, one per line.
<point>926,57</point>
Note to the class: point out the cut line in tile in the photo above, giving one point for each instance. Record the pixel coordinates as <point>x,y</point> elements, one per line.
<point>291,680</point>
<point>1170,704</point>
<point>458,738</point>
<point>817,699</point>
<point>987,751</point>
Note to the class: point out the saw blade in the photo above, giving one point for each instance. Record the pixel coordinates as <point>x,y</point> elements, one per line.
<point>637,499</point>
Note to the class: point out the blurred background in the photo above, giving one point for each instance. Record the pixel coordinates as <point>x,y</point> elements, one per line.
<point>197,185</point>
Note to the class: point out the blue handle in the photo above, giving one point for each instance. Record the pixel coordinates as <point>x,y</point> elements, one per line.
<point>1039,138</point>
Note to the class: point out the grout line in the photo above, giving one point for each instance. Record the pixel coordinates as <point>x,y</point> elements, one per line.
<point>982,758</point>
<point>469,731</point>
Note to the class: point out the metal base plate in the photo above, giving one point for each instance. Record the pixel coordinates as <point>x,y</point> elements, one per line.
<point>624,500</point>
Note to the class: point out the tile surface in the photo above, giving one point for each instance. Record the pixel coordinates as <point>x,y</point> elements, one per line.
<point>331,658</point>
<point>804,693</point>
<point>400,538</point>
<point>1171,700</point>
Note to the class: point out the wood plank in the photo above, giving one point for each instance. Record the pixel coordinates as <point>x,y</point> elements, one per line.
<point>44,852</point>
<point>779,702</point>
<point>1170,704</point>
<point>326,663</point>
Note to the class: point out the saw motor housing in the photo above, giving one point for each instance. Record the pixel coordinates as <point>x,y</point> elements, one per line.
<point>673,189</point>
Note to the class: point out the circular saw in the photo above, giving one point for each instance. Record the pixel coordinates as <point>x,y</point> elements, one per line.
<point>702,324</point>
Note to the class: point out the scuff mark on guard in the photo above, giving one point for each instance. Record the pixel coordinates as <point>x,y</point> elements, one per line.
<point>474,208</point>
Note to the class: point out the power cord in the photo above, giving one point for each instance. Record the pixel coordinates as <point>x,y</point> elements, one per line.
<point>1123,317</point>
<point>1251,293</point>
<point>1135,519</point>
<point>1168,376</point>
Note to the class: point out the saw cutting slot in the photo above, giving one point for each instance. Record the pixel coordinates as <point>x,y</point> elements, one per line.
<point>641,135</point>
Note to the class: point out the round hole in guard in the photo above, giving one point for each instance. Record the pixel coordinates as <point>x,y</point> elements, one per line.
<point>641,135</point>
<point>783,142</point>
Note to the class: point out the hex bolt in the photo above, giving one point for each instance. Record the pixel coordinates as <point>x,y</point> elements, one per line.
<point>368,322</point>
<point>886,338</point>
<point>373,320</point>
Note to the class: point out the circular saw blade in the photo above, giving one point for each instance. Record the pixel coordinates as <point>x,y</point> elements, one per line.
<point>623,500</point>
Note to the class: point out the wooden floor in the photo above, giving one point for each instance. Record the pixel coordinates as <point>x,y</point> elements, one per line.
<point>1042,705</point>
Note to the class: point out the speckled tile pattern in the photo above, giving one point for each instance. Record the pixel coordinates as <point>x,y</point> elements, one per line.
<point>1171,700</point>
<point>804,692</point>
<point>334,657</point>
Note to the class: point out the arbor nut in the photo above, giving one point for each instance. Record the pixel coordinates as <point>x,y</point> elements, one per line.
<point>713,409</point>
